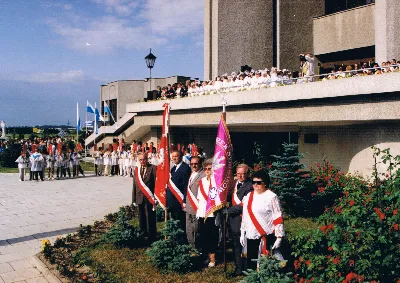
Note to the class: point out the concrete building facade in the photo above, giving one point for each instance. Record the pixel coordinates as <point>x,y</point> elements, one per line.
<point>266,33</point>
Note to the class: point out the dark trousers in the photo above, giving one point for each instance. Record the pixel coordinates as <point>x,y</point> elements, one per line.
<point>253,247</point>
<point>209,235</point>
<point>179,214</point>
<point>114,170</point>
<point>36,175</point>
<point>192,225</point>
<point>30,175</point>
<point>66,170</point>
<point>96,170</point>
<point>147,220</point>
<point>76,169</point>
<point>234,233</point>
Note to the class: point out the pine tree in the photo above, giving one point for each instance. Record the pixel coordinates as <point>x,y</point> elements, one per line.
<point>288,180</point>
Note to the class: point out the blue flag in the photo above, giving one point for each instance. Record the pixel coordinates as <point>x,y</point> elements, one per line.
<point>89,107</point>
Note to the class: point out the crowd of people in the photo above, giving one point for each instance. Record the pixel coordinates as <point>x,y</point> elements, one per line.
<point>52,156</point>
<point>255,223</point>
<point>273,77</point>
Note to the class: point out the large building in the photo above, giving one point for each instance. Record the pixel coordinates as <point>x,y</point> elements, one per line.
<point>266,33</point>
<point>337,120</point>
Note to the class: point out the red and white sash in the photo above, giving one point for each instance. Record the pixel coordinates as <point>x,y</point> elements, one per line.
<point>203,191</point>
<point>192,199</point>
<point>145,190</point>
<point>235,198</point>
<point>260,229</point>
<point>174,189</point>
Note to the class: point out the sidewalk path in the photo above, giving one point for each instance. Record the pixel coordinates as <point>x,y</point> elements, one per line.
<point>31,211</point>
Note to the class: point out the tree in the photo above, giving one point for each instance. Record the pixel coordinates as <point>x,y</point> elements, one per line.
<point>289,180</point>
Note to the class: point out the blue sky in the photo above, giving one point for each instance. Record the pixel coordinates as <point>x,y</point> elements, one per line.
<point>54,54</point>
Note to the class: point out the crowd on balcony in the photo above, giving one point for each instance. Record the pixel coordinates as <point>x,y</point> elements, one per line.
<point>273,77</point>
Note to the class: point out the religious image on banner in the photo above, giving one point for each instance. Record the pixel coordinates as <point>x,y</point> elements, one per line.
<point>222,178</point>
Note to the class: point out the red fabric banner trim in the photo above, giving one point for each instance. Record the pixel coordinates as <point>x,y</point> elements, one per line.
<point>192,202</point>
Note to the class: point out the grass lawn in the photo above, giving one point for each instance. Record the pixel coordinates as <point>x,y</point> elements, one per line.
<point>106,263</point>
<point>8,170</point>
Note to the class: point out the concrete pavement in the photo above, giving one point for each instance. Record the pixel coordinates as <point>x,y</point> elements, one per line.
<point>31,211</point>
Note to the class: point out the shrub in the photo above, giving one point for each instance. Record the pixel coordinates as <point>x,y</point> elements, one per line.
<point>160,214</point>
<point>9,155</point>
<point>329,183</point>
<point>289,181</point>
<point>171,254</point>
<point>122,234</point>
<point>271,271</point>
<point>358,238</point>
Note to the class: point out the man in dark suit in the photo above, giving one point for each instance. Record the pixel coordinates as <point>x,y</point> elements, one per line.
<point>242,187</point>
<point>147,216</point>
<point>180,174</point>
<point>193,185</point>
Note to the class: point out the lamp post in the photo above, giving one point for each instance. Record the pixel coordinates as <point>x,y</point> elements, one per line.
<point>150,60</point>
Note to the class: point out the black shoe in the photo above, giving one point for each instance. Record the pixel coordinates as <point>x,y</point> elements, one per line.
<point>238,272</point>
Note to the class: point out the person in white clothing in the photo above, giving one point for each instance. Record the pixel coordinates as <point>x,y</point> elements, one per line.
<point>107,163</point>
<point>21,160</point>
<point>208,231</point>
<point>262,223</point>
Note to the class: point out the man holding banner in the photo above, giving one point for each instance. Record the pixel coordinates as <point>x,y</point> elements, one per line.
<point>143,196</point>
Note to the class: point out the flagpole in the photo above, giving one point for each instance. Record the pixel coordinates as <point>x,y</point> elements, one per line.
<point>77,137</point>
<point>95,123</point>
<point>85,130</point>
<point>225,217</point>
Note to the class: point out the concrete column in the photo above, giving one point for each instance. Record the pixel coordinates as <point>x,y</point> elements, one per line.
<point>207,39</point>
<point>387,30</point>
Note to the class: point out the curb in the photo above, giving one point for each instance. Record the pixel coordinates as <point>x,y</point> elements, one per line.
<point>40,266</point>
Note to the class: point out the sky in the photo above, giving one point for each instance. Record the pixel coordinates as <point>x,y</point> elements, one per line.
<point>54,54</point>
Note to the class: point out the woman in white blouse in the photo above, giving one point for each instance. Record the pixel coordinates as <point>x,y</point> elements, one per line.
<point>208,231</point>
<point>262,224</point>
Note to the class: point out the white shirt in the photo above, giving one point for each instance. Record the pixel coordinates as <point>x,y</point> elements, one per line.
<point>266,209</point>
<point>177,166</point>
<point>201,210</point>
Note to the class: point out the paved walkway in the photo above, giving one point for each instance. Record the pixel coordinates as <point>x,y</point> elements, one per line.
<point>31,211</point>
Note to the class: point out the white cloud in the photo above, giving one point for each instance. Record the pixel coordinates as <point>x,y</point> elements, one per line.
<point>70,76</point>
<point>151,23</point>
<point>121,7</point>
<point>174,16</point>
<point>106,34</point>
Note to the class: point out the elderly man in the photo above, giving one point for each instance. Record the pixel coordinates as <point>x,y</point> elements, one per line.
<point>180,173</point>
<point>143,196</point>
<point>242,187</point>
<point>191,204</point>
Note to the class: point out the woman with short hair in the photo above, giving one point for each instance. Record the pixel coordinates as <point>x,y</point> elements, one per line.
<point>262,223</point>
<point>209,232</point>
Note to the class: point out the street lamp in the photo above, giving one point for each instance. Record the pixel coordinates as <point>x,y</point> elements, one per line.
<point>150,60</point>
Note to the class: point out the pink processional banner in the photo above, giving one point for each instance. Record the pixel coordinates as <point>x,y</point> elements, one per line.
<point>222,178</point>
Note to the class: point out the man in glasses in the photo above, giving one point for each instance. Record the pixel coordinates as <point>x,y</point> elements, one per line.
<point>242,187</point>
<point>191,204</point>
<point>144,181</point>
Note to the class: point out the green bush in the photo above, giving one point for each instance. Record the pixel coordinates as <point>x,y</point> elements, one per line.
<point>160,216</point>
<point>358,238</point>
<point>9,155</point>
<point>171,254</point>
<point>290,182</point>
<point>122,234</point>
<point>271,271</point>
<point>328,186</point>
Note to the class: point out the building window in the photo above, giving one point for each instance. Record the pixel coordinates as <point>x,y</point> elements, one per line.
<point>311,138</point>
<point>334,6</point>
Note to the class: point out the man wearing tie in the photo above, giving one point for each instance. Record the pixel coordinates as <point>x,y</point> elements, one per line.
<point>242,188</point>
<point>147,214</point>
<point>191,200</point>
<point>180,174</point>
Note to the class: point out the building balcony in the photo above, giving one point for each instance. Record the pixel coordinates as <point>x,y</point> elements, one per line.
<point>346,30</point>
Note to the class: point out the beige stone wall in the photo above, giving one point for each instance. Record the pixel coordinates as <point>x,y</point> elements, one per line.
<point>349,147</point>
<point>296,26</point>
<point>350,29</point>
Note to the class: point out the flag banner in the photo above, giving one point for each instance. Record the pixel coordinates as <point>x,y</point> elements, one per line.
<point>162,174</point>
<point>98,116</point>
<point>79,146</point>
<point>59,147</point>
<point>121,141</point>
<point>115,146</point>
<point>89,107</point>
<point>108,111</point>
<point>89,123</point>
<point>50,149</point>
<point>222,178</point>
